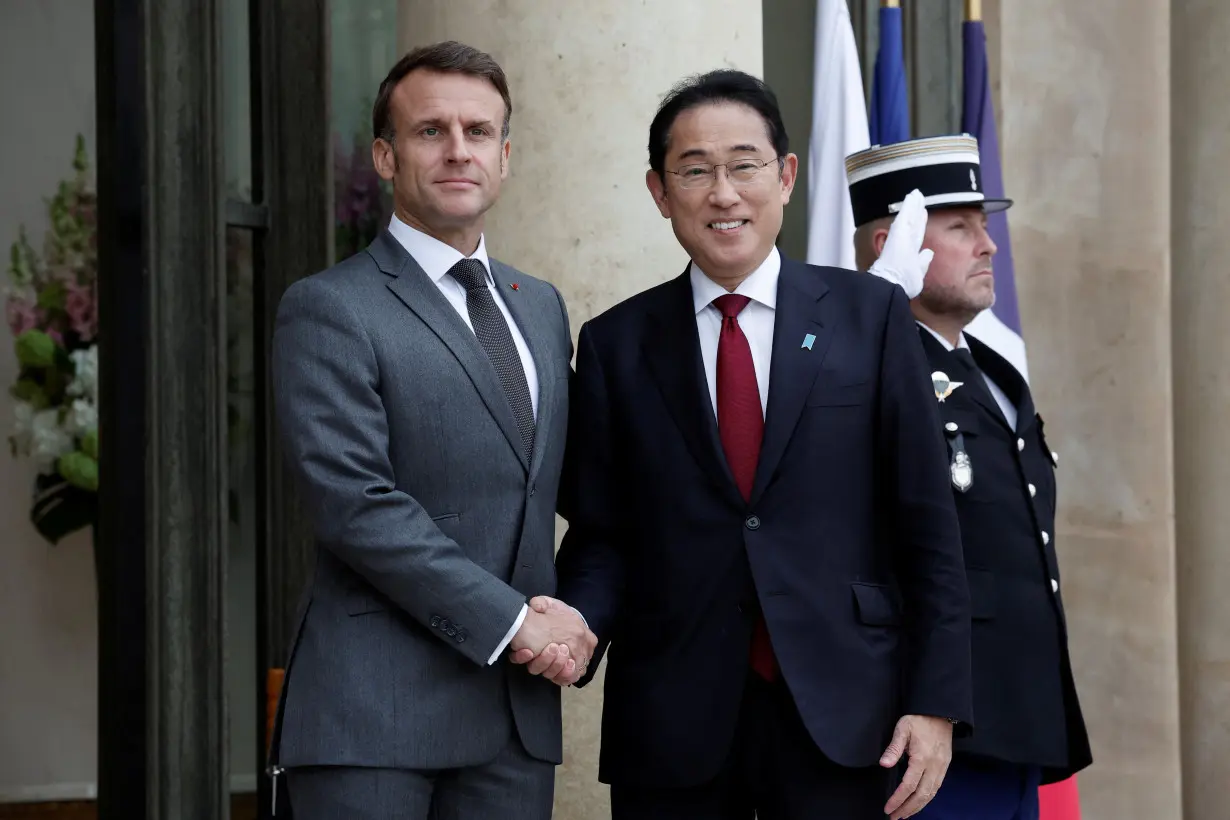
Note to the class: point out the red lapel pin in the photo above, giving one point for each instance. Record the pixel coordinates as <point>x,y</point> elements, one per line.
<point>515,286</point>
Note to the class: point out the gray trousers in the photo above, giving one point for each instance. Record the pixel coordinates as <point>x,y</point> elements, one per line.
<point>514,786</point>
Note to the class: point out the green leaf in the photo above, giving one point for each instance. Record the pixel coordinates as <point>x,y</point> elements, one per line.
<point>36,349</point>
<point>79,470</point>
<point>89,444</point>
<point>53,296</point>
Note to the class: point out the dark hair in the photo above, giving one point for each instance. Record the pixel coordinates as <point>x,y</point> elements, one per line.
<point>721,86</point>
<point>448,57</point>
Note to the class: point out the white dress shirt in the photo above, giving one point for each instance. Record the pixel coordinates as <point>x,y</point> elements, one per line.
<point>1001,398</point>
<point>436,259</point>
<point>756,320</point>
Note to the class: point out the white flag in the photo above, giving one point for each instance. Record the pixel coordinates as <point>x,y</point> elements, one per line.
<point>839,128</point>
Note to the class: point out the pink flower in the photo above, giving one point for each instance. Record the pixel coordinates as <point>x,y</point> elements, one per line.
<point>79,305</point>
<point>21,315</point>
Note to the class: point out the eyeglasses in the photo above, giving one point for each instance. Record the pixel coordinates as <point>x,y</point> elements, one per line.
<point>738,171</point>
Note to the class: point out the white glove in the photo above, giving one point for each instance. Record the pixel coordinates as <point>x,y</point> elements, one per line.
<point>903,261</point>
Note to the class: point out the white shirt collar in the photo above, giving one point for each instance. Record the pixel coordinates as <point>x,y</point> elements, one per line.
<point>947,345</point>
<point>433,256</point>
<point>760,286</point>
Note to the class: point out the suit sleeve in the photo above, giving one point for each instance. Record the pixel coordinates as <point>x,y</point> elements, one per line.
<point>590,564</point>
<point>331,416</point>
<point>929,560</point>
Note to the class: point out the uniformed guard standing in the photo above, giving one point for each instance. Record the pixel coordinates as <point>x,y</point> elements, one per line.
<point>921,222</point>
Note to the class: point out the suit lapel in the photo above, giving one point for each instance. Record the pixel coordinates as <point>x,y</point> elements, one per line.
<point>1008,379</point>
<point>801,310</point>
<point>533,333</point>
<point>672,352</point>
<point>972,384</point>
<point>413,287</point>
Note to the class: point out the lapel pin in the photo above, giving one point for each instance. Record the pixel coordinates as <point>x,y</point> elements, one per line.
<point>942,385</point>
<point>808,340</point>
<point>515,286</point>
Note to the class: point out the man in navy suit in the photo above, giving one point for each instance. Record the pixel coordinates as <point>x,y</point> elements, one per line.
<point>760,526</point>
<point>1001,473</point>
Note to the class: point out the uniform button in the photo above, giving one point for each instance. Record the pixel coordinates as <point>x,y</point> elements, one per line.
<point>1054,458</point>
<point>1020,444</point>
<point>1033,491</point>
<point>752,522</point>
<point>1046,539</point>
<point>951,427</point>
<point>1054,585</point>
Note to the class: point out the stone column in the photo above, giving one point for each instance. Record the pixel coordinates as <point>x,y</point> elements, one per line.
<point>586,79</point>
<point>1201,196</point>
<point>1086,98</point>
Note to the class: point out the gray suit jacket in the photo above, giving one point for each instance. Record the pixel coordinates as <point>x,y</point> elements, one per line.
<point>432,529</point>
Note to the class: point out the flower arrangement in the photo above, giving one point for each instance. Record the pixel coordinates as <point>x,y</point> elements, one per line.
<point>52,311</point>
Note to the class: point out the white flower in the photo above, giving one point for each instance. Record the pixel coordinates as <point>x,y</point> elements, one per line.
<point>50,440</point>
<point>82,417</point>
<point>23,426</point>
<point>85,373</point>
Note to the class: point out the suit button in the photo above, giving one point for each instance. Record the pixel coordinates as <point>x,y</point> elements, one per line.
<point>1054,585</point>
<point>435,621</point>
<point>752,522</point>
<point>1020,444</point>
<point>1046,538</point>
<point>1033,491</point>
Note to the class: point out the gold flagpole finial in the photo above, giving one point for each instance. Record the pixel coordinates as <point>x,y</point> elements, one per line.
<point>973,10</point>
<point>890,4</point>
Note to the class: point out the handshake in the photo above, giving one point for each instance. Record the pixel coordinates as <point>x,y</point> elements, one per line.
<point>554,641</point>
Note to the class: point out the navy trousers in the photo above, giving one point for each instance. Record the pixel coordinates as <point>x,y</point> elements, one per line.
<point>978,789</point>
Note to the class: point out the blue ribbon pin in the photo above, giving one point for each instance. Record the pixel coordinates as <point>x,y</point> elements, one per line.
<point>808,339</point>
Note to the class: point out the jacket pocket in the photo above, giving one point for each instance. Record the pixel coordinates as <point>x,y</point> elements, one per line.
<point>875,606</point>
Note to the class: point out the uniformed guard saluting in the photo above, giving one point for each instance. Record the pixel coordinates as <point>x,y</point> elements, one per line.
<point>920,218</point>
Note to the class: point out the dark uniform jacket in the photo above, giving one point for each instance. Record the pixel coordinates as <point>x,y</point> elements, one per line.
<point>1025,704</point>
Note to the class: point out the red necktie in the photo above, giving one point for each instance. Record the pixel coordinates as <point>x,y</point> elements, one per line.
<point>741,428</point>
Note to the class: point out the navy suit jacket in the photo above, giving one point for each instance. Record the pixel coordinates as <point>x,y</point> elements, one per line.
<point>849,544</point>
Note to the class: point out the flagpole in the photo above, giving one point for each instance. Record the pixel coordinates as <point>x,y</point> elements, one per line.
<point>973,10</point>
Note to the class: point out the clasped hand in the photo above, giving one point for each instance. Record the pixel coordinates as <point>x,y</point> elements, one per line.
<point>553,642</point>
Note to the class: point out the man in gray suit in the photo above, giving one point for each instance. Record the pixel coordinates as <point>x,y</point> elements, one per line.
<point>422,392</point>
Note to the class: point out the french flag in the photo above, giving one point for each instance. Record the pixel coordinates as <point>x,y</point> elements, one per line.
<point>1000,327</point>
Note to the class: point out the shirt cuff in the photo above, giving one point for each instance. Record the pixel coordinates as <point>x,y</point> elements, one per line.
<point>499,650</point>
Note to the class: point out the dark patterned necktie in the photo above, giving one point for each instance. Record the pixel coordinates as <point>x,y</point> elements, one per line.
<point>741,429</point>
<point>497,341</point>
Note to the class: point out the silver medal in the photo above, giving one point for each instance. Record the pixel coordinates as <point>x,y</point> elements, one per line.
<point>962,471</point>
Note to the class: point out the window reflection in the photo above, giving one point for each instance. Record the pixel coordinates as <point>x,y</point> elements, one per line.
<point>363,40</point>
